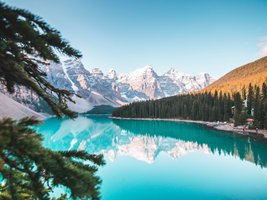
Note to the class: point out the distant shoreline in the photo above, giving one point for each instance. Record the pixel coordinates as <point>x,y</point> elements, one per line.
<point>229,127</point>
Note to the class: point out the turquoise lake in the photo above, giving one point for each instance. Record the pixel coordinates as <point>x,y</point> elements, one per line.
<point>165,160</point>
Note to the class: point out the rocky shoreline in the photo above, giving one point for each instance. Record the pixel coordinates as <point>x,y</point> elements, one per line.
<point>222,126</point>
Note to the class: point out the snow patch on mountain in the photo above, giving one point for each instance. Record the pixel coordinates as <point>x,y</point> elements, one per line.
<point>15,110</point>
<point>112,74</point>
<point>81,105</point>
<point>65,69</point>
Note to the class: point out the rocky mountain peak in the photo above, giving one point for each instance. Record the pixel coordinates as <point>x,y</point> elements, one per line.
<point>97,72</point>
<point>149,68</point>
<point>144,73</point>
<point>112,74</point>
<point>174,74</point>
<point>73,63</point>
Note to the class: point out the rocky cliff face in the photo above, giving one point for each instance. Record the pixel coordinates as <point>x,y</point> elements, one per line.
<point>141,84</point>
<point>176,82</point>
<point>98,88</point>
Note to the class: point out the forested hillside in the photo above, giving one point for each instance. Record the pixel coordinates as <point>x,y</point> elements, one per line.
<point>234,81</point>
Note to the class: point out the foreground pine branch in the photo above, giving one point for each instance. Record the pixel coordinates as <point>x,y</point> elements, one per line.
<point>27,169</point>
<point>31,171</point>
<point>26,41</point>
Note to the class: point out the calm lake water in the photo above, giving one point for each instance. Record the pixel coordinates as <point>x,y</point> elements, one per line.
<point>165,160</point>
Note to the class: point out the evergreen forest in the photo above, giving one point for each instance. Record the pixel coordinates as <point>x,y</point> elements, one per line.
<point>251,102</point>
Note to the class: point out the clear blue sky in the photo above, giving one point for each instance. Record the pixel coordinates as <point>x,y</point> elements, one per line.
<point>190,35</point>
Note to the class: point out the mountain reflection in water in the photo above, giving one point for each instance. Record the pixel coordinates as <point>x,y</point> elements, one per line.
<point>145,140</point>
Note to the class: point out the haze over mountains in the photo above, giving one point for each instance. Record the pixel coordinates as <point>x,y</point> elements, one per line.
<point>97,88</point>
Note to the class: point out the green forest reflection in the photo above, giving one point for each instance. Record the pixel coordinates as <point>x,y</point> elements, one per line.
<point>246,148</point>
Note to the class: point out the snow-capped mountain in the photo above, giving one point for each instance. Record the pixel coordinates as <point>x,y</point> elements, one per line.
<point>141,84</point>
<point>176,82</point>
<point>145,83</point>
<point>92,86</point>
<point>98,88</point>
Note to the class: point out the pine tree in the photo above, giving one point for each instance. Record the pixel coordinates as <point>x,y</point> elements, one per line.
<point>263,108</point>
<point>244,93</point>
<point>250,98</point>
<point>238,108</point>
<point>265,114</point>
<point>25,42</point>
<point>257,106</point>
<point>31,171</point>
<point>27,169</point>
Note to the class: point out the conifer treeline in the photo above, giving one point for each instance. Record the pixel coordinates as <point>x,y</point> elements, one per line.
<point>205,106</point>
